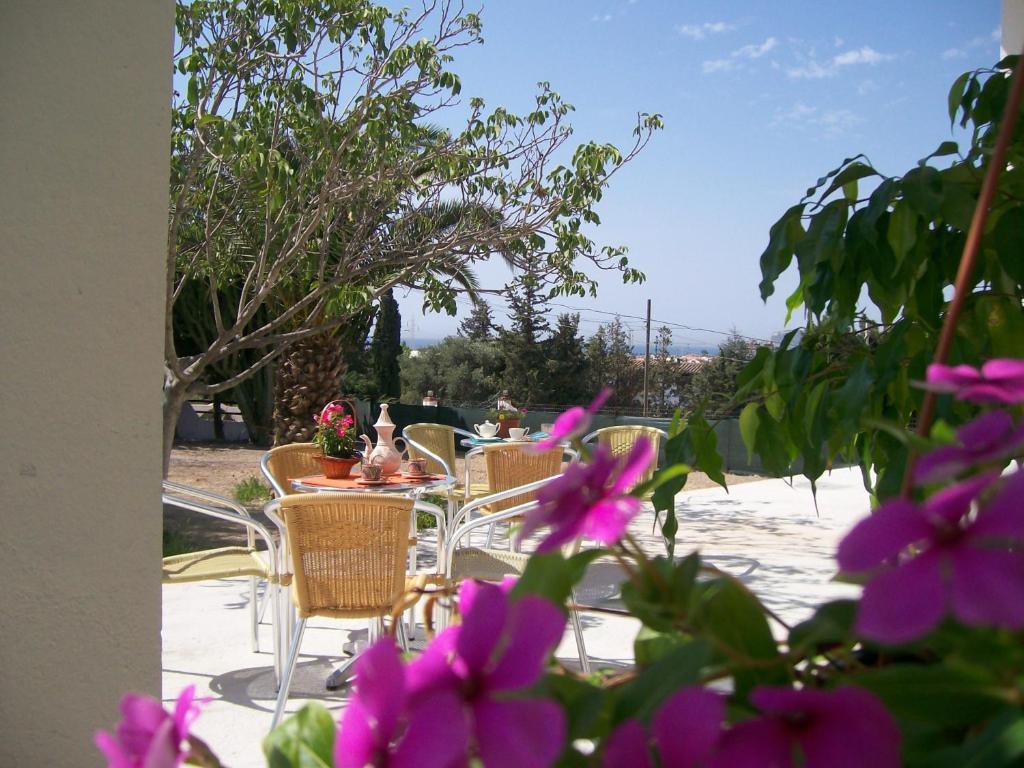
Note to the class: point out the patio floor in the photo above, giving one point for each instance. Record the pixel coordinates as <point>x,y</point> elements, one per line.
<point>768,525</point>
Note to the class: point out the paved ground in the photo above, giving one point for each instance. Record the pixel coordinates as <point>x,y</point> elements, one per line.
<point>768,525</point>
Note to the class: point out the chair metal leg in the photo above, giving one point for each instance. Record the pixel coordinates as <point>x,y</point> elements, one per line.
<point>401,636</point>
<point>254,617</point>
<point>577,630</point>
<point>490,536</point>
<point>274,596</point>
<point>286,681</point>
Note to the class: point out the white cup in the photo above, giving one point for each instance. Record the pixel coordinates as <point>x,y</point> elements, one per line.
<point>517,433</point>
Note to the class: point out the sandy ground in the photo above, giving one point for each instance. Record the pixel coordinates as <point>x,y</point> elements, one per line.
<point>220,467</point>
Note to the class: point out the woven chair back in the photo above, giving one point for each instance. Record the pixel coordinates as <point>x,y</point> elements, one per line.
<point>621,440</point>
<point>437,438</point>
<point>288,462</point>
<point>509,466</point>
<point>348,552</point>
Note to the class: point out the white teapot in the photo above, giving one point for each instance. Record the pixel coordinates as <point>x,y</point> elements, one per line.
<point>486,429</point>
<point>386,453</point>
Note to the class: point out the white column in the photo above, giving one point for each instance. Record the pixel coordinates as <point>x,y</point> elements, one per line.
<point>84,136</point>
<point>1013,27</point>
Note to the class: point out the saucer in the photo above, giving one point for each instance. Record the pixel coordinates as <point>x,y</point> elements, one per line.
<point>420,476</point>
<point>363,481</point>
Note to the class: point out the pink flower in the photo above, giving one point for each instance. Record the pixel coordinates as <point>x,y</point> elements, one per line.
<point>998,381</point>
<point>590,499</point>
<point>973,565</point>
<point>992,437</point>
<point>573,423</point>
<point>381,726</point>
<point>328,413</point>
<point>842,728</point>
<point>148,736</point>
<point>501,647</point>
<point>340,430</point>
<point>687,729</point>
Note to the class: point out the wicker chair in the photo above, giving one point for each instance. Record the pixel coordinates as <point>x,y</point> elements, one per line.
<point>488,564</point>
<point>436,444</point>
<point>348,554</point>
<point>227,562</point>
<point>620,439</point>
<point>285,463</point>
<point>510,466</point>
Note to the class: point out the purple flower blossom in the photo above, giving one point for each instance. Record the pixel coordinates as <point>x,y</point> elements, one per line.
<point>571,424</point>
<point>843,728</point>
<point>973,565</point>
<point>992,437</point>
<point>590,499</point>
<point>686,729</point>
<point>148,736</point>
<point>500,648</point>
<point>383,726</point>
<point>998,381</point>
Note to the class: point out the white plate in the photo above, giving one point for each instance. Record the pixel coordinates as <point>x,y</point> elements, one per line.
<point>361,481</point>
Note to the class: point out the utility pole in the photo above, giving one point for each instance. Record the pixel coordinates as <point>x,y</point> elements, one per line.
<point>647,354</point>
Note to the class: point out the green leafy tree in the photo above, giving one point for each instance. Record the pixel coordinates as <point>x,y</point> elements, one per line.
<point>478,325</point>
<point>458,370</point>
<point>714,387</point>
<point>663,376</point>
<point>303,172</point>
<point>386,347</point>
<point>846,390</point>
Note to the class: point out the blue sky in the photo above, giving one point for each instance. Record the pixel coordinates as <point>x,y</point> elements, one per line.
<point>759,100</point>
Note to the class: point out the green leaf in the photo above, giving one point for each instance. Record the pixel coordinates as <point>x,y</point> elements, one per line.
<point>735,620</point>
<point>749,419</point>
<point>655,683</point>
<point>661,477</point>
<point>902,234</point>
<point>553,576</point>
<point>850,173</point>
<point>830,625</point>
<point>922,190</point>
<point>1007,237</point>
<point>305,740</point>
<point>937,694</point>
<point>849,399</point>
<point>1000,744</point>
<point>956,94</point>
<point>782,239</point>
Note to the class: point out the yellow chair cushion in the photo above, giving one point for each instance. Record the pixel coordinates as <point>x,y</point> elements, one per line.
<point>222,563</point>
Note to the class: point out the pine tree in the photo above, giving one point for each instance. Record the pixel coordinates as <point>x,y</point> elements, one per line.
<point>715,384</point>
<point>478,326</point>
<point>663,370</point>
<point>522,343</point>
<point>386,347</point>
<point>567,363</point>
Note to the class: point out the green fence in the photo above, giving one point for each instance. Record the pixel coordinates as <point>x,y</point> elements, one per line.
<point>730,443</point>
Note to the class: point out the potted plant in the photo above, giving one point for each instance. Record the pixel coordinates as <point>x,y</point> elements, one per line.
<point>336,437</point>
<point>506,418</point>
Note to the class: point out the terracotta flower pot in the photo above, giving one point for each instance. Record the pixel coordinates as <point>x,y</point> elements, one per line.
<point>337,468</point>
<point>504,425</point>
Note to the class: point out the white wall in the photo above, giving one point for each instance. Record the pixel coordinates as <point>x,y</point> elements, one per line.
<point>84,125</point>
<point>1013,27</point>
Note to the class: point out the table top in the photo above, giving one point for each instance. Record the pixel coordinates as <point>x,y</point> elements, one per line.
<point>476,442</point>
<point>352,484</point>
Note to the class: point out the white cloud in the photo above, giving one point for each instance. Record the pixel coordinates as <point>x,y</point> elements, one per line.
<point>700,31</point>
<point>829,123</point>
<point>813,70</point>
<point>602,17</point>
<point>865,55</point>
<point>755,51</point>
<point>866,87</point>
<point>954,53</point>
<point>718,65</point>
<point>735,58</point>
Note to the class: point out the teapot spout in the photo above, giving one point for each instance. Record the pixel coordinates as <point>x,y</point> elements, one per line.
<point>368,444</point>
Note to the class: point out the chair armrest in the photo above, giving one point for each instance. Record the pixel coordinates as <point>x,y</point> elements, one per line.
<point>243,519</point>
<point>467,528</point>
<point>439,515</point>
<point>468,509</point>
<point>265,469</point>
<point>429,454</point>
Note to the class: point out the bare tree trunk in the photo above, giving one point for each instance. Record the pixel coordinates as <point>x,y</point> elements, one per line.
<point>174,398</point>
